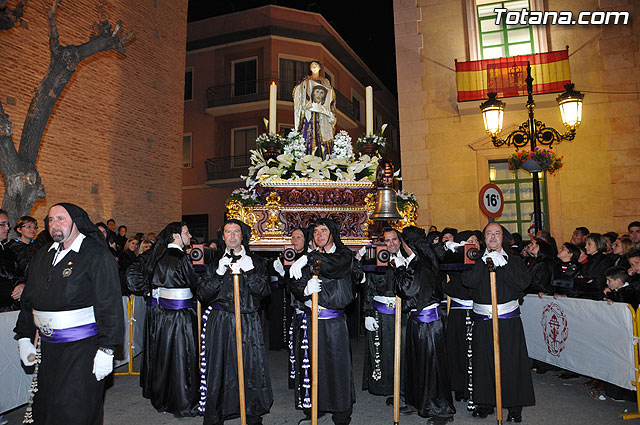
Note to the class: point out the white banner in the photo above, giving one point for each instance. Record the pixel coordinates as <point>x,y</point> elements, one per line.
<point>588,337</point>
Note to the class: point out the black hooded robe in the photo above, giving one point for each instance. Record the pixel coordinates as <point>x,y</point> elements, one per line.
<point>517,385</point>
<point>68,392</point>
<point>427,384</point>
<point>220,400</point>
<point>336,387</point>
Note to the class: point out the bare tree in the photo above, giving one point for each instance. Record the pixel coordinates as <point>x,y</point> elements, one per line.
<point>22,182</point>
<point>9,17</point>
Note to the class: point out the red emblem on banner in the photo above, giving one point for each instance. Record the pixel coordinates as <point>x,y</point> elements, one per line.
<point>555,328</point>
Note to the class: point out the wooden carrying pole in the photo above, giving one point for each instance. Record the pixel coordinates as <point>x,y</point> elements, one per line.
<point>396,362</point>
<point>130,317</point>
<point>314,348</point>
<point>496,339</point>
<point>236,306</point>
<point>199,315</point>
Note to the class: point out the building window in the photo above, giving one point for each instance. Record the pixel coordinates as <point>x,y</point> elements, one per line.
<point>245,76</point>
<point>329,76</point>
<point>244,139</point>
<point>198,225</point>
<point>503,41</point>
<point>356,108</point>
<point>291,72</point>
<point>187,151</point>
<point>517,189</point>
<point>188,84</point>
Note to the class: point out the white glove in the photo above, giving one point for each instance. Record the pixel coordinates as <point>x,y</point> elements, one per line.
<point>370,324</point>
<point>295,272</point>
<point>278,267</point>
<point>235,268</point>
<point>25,347</point>
<point>102,364</point>
<point>498,259</point>
<point>451,246</point>
<point>222,265</point>
<point>398,260</point>
<point>361,253</point>
<point>313,286</point>
<point>245,263</point>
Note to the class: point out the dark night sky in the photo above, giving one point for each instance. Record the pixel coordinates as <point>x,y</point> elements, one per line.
<point>365,25</point>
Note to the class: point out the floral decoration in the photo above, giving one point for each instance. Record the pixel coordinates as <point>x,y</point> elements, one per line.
<point>265,139</point>
<point>245,196</point>
<point>548,160</point>
<point>375,139</point>
<point>404,197</point>
<point>342,145</point>
<point>295,144</point>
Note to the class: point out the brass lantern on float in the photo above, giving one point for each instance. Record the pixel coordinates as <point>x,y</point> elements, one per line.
<point>386,201</point>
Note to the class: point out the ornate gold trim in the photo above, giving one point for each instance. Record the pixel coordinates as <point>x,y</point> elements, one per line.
<point>312,208</point>
<point>273,225</point>
<point>343,184</point>
<point>236,210</point>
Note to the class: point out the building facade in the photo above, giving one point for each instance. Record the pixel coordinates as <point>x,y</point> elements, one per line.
<point>112,145</point>
<point>231,62</point>
<point>446,154</point>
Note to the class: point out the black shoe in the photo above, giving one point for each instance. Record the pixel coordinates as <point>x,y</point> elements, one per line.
<point>461,396</point>
<point>514,418</point>
<point>439,420</point>
<point>482,413</point>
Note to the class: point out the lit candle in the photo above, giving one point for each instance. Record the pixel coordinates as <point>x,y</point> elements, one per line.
<point>272,107</point>
<point>369,108</point>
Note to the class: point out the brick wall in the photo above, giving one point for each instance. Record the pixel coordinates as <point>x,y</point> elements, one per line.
<point>118,124</point>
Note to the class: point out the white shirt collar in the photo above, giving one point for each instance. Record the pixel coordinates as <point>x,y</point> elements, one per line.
<point>75,246</point>
<point>330,250</point>
<point>501,251</point>
<point>241,253</point>
<point>173,245</point>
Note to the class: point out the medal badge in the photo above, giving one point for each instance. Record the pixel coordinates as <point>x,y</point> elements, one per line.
<point>45,329</point>
<point>67,272</point>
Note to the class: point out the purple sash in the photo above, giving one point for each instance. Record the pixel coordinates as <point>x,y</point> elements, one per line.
<point>172,304</point>
<point>383,308</point>
<point>509,315</point>
<point>152,302</point>
<point>325,313</point>
<point>426,316</point>
<point>457,305</point>
<point>70,334</point>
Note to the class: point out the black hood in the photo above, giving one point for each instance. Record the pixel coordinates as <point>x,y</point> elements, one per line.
<point>81,219</point>
<point>246,235</point>
<point>506,238</point>
<point>333,227</point>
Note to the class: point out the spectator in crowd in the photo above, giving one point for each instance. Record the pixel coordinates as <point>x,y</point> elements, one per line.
<point>546,236</point>
<point>634,267</point>
<point>515,244</point>
<point>126,258</point>
<point>144,246</point>
<point>592,280</point>
<point>8,267</point>
<point>23,249</point>
<point>139,237</point>
<point>540,267</point>
<point>579,235</point>
<point>111,225</point>
<point>610,238</point>
<point>121,237</point>
<point>110,237</point>
<point>152,237</point>
<point>634,232</point>
<point>619,250</point>
<point>565,270</point>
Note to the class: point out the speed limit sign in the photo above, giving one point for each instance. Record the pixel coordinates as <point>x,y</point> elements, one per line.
<point>491,200</point>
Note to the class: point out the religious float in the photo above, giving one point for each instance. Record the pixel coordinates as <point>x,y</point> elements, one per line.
<point>313,173</point>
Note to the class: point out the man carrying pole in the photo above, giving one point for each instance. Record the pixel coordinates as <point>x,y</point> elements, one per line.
<point>512,278</point>
<point>220,397</point>
<point>334,286</point>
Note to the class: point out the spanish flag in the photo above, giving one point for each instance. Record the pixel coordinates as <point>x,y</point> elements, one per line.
<point>507,76</point>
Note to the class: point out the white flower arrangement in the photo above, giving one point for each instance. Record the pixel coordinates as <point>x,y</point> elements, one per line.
<point>294,145</point>
<point>342,145</point>
<point>405,197</point>
<point>265,139</point>
<point>375,139</point>
<point>245,196</point>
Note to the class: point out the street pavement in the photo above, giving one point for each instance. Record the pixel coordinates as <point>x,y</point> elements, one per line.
<point>557,402</point>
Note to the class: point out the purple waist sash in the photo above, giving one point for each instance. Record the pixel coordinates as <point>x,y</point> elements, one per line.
<point>152,302</point>
<point>383,308</point>
<point>426,316</point>
<point>509,315</point>
<point>172,304</point>
<point>457,305</point>
<point>70,334</point>
<point>326,313</point>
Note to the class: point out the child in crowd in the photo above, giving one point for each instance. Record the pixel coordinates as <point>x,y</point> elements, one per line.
<point>618,288</point>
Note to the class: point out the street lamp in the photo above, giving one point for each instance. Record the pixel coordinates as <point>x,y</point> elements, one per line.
<point>533,131</point>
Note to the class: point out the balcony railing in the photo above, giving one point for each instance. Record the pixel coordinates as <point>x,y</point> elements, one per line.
<point>256,90</point>
<point>228,167</point>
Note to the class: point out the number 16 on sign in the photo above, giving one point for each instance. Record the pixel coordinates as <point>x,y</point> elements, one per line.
<point>491,200</point>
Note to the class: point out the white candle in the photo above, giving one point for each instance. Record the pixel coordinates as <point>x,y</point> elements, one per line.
<point>273,90</point>
<point>369,110</point>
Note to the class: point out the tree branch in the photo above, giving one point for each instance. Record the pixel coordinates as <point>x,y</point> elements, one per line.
<point>53,29</point>
<point>9,161</point>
